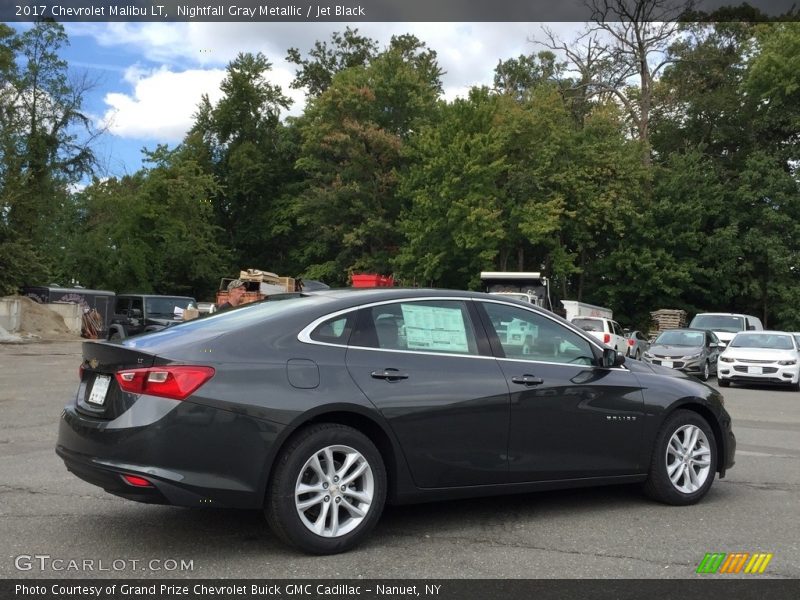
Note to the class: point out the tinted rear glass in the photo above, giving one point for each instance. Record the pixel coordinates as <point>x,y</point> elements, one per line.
<point>223,322</point>
<point>588,324</point>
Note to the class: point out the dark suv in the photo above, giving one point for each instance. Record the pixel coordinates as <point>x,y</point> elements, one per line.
<point>138,313</point>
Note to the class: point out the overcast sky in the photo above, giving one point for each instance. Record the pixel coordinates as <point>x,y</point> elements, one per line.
<point>150,76</point>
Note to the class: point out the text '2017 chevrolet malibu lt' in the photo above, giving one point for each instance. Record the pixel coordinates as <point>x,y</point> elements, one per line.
<point>321,407</point>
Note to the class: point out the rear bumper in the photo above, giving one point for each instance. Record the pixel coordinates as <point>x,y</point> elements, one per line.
<point>193,456</point>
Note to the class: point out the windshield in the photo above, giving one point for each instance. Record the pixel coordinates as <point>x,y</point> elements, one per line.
<point>729,323</point>
<point>772,342</point>
<point>681,338</point>
<point>165,306</point>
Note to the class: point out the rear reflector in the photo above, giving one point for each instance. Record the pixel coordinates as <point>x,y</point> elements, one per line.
<point>606,338</point>
<point>136,481</point>
<point>174,381</point>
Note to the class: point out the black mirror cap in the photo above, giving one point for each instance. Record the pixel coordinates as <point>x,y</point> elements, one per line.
<point>612,358</point>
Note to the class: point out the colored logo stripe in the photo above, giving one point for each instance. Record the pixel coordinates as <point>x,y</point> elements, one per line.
<point>758,564</point>
<point>734,562</point>
<point>711,562</point>
<point>720,562</point>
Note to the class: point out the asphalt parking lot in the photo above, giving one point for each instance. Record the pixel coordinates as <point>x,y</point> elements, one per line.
<point>55,522</point>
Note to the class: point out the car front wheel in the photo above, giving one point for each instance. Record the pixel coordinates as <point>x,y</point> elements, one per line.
<point>706,371</point>
<point>327,490</point>
<point>684,460</point>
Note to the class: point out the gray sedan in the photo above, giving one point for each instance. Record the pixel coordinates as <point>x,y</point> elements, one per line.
<point>693,351</point>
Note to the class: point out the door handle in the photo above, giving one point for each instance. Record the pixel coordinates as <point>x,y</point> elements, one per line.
<point>389,375</point>
<point>527,380</point>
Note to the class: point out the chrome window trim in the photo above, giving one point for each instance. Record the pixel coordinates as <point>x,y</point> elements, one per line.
<point>305,334</point>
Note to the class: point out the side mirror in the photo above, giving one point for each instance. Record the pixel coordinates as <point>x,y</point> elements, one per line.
<point>612,358</point>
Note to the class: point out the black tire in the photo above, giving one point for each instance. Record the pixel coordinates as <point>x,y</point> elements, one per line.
<point>670,479</point>
<point>638,355</point>
<point>293,468</point>
<point>723,382</point>
<point>706,371</point>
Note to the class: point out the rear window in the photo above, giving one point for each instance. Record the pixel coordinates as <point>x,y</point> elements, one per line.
<point>589,324</point>
<point>222,322</point>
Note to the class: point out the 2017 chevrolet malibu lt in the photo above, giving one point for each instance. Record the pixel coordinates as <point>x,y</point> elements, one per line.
<point>320,407</point>
<point>771,357</point>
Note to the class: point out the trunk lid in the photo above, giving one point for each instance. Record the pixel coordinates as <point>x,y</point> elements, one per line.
<point>99,394</point>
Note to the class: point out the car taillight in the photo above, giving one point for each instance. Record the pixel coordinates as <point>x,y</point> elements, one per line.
<point>606,338</point>
<point>80,372</point>
<point>175,381</point>
<point>630,342</point>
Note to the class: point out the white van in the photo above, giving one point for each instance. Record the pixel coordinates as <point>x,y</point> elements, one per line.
<point>726,325</point>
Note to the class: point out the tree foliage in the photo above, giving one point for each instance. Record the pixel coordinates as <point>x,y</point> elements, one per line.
<point>651,164</point>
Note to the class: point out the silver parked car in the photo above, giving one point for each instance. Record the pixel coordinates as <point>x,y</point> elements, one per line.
<point>638,343</point>
<point>693,351</point>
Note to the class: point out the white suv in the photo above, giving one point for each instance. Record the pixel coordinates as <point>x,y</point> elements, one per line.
<point>607,331</point>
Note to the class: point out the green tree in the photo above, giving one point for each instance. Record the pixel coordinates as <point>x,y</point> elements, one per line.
<point>352,140</point>
<point>153,231</point>
<point>45,139</point>
<point>242,141</point>
<point>453,226</point>
<point>346,50</point>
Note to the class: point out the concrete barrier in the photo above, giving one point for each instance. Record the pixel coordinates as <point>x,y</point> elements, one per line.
<point>10,314</point>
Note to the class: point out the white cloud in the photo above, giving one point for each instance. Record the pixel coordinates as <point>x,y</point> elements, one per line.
<point>162,103</point>
<point>190,60</point>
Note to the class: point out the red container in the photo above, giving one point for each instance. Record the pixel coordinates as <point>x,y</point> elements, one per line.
<point>368,280</point>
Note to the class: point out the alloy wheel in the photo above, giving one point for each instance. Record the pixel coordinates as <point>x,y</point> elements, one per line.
<point>334,491</point>
<point>688,459</point>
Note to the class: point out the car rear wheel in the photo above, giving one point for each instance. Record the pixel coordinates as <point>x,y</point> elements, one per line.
<point>684,460</point>
<point>638,355</point>
<point>327,490</point>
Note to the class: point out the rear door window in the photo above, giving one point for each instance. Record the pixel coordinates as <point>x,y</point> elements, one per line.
<point>440,326</point>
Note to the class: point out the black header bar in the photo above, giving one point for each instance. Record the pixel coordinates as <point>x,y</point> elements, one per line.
<point>355,11</point>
